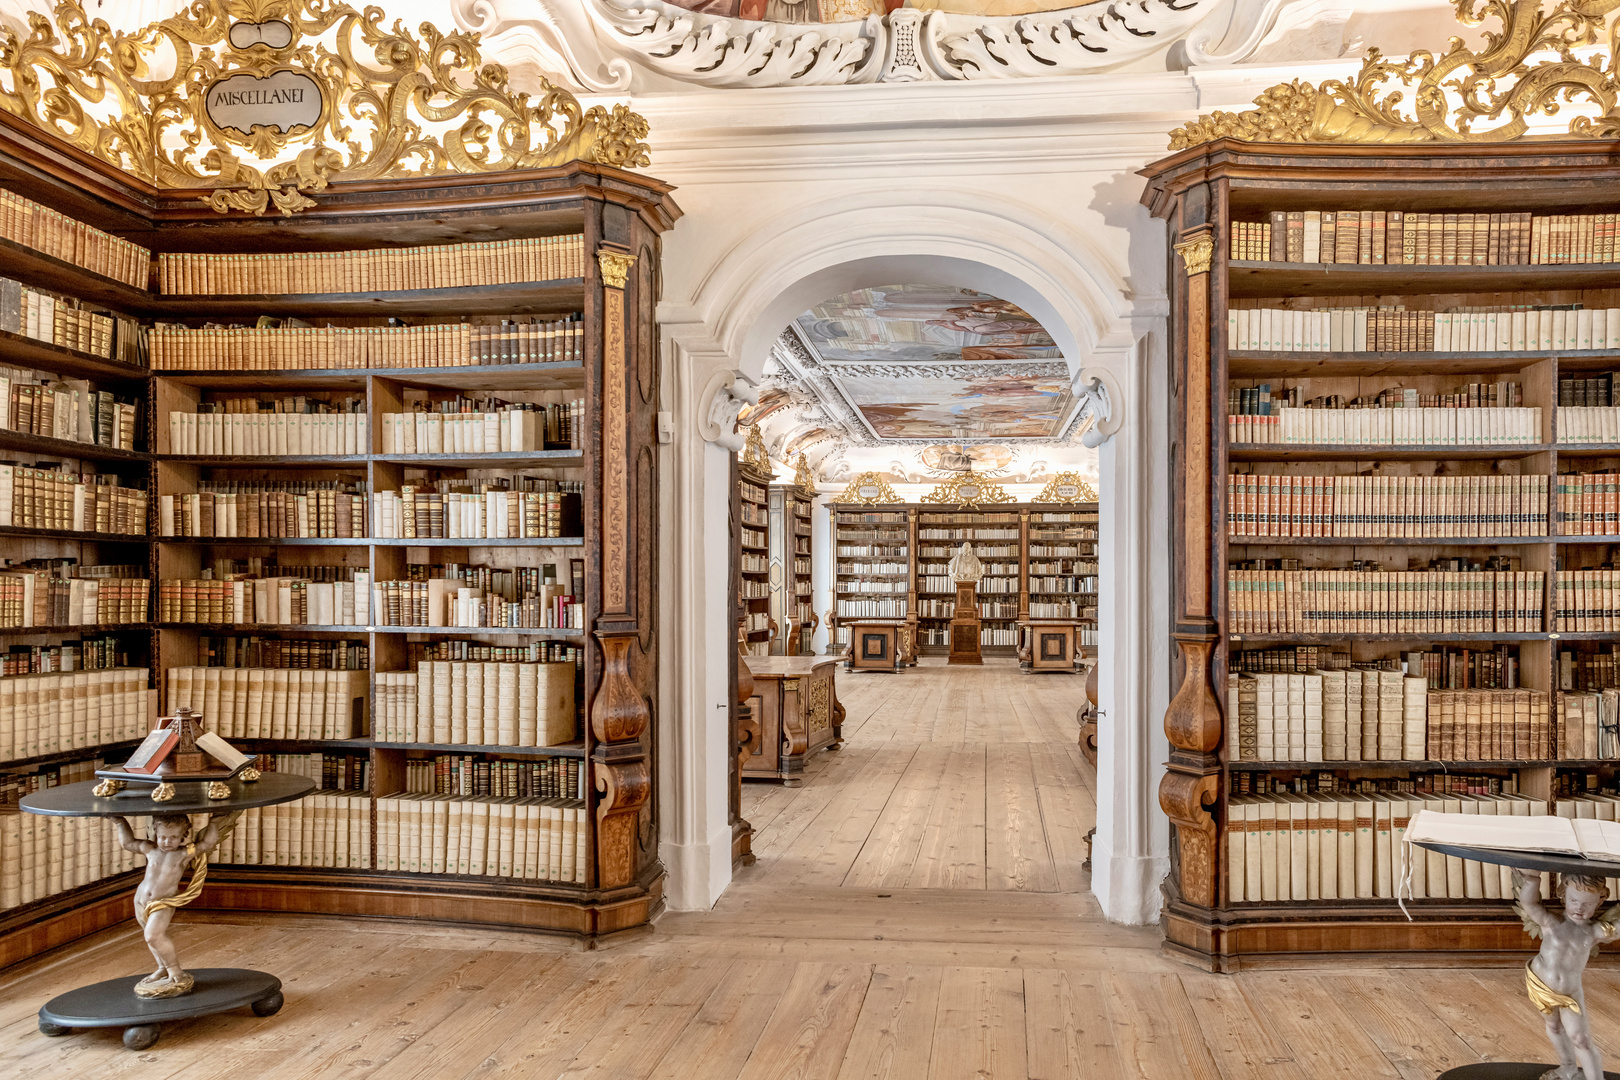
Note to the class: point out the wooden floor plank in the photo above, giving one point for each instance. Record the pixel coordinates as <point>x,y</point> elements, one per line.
<point>1017,857</point>
<point>1307,1015</point>
<point>979,1028</point>
<point>718,1041</point>
<point>808,1033</point>
<point>1067,1026</point>
<point>894,1034</point>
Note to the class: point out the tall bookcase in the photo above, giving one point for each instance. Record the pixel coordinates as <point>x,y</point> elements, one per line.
<point>601,541</point>
<point>1275,483</point>
<point>872,566</point>
<point>754,559</point>
<point>792,598</point>
<point>998,540</point>
<point>1060,567</point>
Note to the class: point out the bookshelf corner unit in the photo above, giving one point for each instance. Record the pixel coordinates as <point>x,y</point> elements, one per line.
<point>1395,431</point>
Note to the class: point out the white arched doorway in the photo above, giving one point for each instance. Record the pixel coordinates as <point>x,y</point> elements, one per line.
<point>719,317</point>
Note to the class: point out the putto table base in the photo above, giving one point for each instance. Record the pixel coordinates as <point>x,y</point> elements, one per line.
<point>114,1003</point>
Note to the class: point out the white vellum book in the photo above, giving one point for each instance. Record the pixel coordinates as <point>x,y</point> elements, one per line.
<point>1588,838</point>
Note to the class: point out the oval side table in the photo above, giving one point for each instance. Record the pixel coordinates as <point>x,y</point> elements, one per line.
<point>114,1003</point>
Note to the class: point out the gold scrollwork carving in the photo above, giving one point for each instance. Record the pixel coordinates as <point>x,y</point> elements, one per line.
<point>416,106</point>
<point>163,792</point>
<point>754,453</point>
<point>1197,253</point>
<point>868,489</point>
<point>1452,93</point>
<point>107,788</point>
<point>967,493</point>
<point>1067,489</point>
<point>817,716</point>
<point>615,267</point>
<point>803,478</point>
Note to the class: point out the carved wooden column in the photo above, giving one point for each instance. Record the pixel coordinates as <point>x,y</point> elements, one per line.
<point>619,715</point>
<point>746,735</point>
<point>965,625</point>
<point>1193,722</point>
<point>908,632</point>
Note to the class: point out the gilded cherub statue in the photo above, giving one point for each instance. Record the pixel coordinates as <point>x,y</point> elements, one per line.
<point>168,853</point>
<point>1553,976</point>
<point>965,566</point>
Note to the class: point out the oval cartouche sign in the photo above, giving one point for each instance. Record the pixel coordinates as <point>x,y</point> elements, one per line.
<point>869,491</point>
<point>284,100</point>
<point>1068,491</point>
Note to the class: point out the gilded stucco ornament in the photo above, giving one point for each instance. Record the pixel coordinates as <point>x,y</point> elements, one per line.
<point>868,489</point>
<point>754,454</point>
<point>1497,86</point>
<point>391,103</point>
<point>803,478</point>
<point>967,493</point>
<point>1196,254</point>
<point>1067,489</point>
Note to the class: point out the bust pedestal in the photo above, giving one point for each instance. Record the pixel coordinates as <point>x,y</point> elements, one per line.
<point>965,625</point>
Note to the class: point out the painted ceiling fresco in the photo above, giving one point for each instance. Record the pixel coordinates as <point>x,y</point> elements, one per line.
<point>828,11</point>
<point>939,363</point>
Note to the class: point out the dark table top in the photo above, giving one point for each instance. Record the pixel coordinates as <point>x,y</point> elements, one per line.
<point>1528,860</point>
<point>76,800</point>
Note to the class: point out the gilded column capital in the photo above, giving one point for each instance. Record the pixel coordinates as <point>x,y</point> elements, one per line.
<point>615,267</point>
<point>1197,251</point>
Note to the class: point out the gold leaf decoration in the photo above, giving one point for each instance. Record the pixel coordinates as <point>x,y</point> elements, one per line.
<point>803,478</point>
<point>1496,85</point>
<point>417,105</point>
<point>754,454</point>
<point>967,493</point>
<point>1067,489</point>
<point>868,489</point>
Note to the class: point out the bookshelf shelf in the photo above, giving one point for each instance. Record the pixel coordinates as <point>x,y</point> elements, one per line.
<point>70,534</point>
<point>97,628</point>
<point>66,448</point>
<point>1235,194</point>
<point>1249,279</point>
<point>27,352</point>
<point>570,750</point>
<point>1306,452</point>
<point>78,753</point>
<point>342,541</point>
<point>516,298</point>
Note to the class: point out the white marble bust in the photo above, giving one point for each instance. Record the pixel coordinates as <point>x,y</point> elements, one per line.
<point>965,565</point>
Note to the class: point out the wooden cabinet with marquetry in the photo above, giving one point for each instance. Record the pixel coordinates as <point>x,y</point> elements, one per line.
<point>1393,427</point>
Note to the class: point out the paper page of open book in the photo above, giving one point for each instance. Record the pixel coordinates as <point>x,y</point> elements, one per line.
<point>1554,834</point>
<point>1598,839</point>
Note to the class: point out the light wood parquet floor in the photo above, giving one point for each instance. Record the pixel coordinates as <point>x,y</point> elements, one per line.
<point>917,913</point>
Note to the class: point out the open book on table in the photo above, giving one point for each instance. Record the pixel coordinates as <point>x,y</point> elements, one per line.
<point>1585,838</point>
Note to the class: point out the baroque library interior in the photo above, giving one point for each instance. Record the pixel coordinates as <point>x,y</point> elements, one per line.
<point>650,538</point>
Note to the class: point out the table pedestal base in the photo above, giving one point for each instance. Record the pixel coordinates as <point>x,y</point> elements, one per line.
<point>114,1004</point>
<point>1505,1070</point>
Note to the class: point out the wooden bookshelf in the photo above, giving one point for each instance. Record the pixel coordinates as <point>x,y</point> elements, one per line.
<point>1060,568</point>
<point>1201,192</point>
<point>792,599</point>
<point>754,560</point>
<point>873,568</point>
<point>615,652</point>
<point>997,536</point>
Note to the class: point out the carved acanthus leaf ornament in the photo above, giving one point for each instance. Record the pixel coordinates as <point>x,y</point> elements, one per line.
<point>1496,86</point>
<point>392,104</point>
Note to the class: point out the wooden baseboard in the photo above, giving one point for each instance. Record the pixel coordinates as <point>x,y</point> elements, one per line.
<point>458,901</point>
<point>1271,935</point>
<point>36,928</point>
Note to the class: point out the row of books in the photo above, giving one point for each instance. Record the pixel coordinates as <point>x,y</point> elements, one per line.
<point>1589,389</point>
<point>436,266</point>
<point>959,535</point>
<point>881,587</point>
<point>1001,636</point>
<point>477,704</point>
<point>269,433</point>
<point>1057,586</point>
<point>34,498</point>
<point>1388,505</point>
<point>1586,601</point>
<point>1064,566</point>
<point>1449,667</point>
<point>87,654</point>
<point>446,602</point>
<point>985,552</point>
<point>755,515</point>
<point>332,772</point>
<point>1328,716</point>
<point>1398,237</point>
<point>412,513</point>
<point>1588,504</point>
<point>870,609</point>
<point>43,856</point>
<point>25,222</point>
<point>327,829</point>
<point>257,651</point>
<point>754,590</point>
<point>34,598</point>
<point>512,426</point>
<point>1377,426</point>
<point>1588,425</point>
<point>55,713</point>
<point>1046,609</point>
<point>272,347</point>
<point>464,774</point>
<point>527,839</point>
<point>889,568</point>
<point>272,703</point>
<point>1588,725</point>
<point>1551,328</point>
<point>63,321</point>
<point>1325,847</point>
<point>1334,601</point>
<point>273,600</point>
<point>41,404</point>
<point>1597,670</point>
<point>336,514</point>
<point>870,551</point>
